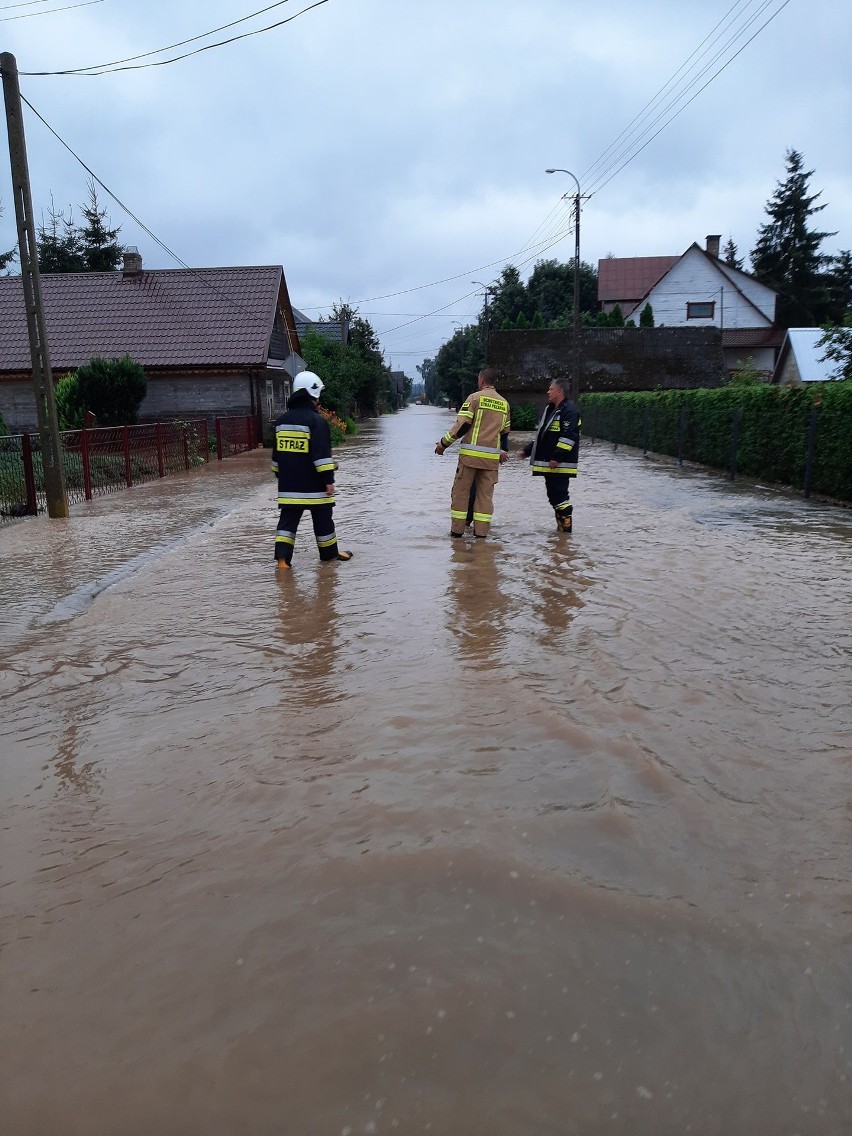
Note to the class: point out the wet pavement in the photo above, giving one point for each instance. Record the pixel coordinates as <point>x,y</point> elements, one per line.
<point>541,835</point>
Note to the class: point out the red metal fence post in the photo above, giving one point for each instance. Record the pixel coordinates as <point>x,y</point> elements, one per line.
<point>86,460</point>
<point>29,475</point>
<point>219,438</point>
<point>185,430</point>
<point>127,471</point>
<point>160,466</point>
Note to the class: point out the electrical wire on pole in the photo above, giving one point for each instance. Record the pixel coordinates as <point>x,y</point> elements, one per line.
<point>51,446</point>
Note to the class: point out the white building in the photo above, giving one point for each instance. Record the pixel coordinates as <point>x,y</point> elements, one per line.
<point>697,289</point>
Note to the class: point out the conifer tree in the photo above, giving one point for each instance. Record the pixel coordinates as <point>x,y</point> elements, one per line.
<point>787,254</point>
<point>58,244</point>
<point>63,246</point>
<point>732,257</point>
<point>101,250</point>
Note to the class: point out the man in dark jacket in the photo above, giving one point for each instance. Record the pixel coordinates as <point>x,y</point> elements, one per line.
<point>554,452</point>
<point>305,468</point>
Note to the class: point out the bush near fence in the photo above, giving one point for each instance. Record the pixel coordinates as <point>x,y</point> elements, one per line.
<point>772,433</point>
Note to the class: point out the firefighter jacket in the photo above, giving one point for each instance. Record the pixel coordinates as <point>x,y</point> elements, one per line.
<point>557,439</point>
<point>302,455</point>
<point>482,423</point>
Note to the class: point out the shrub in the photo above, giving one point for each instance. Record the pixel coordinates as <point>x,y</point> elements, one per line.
<point>524,417</point>
<point>336,424</point>
<point>112,389</point>
<point>70,410</point>
<point>772,441</point>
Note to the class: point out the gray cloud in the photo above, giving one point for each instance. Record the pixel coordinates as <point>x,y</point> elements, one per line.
<point>372,147</point>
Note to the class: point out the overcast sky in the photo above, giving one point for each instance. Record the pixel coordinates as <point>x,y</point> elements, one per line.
<point>375,147</point>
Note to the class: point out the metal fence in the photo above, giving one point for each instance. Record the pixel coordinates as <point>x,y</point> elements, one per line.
<point>235,435</point>
<point>107,459</point>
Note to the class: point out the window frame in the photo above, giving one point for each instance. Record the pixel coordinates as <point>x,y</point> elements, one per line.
<point>711,304</point>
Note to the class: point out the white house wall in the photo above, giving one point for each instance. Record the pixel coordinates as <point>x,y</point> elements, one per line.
<point>696,279</point>
<point>760,295</point>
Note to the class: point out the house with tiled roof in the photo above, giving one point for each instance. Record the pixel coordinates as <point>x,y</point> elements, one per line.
<point>212,341</point>
<point>624,280</point>
<point>697,290</point>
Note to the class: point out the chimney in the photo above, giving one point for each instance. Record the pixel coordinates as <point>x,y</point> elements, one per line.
<point>712,245</point>
<point>133,261</point>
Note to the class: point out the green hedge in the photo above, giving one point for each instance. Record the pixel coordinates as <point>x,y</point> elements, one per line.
<point>774,425</point>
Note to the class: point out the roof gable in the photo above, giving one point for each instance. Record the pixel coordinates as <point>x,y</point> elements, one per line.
<point>186,318</point>
<point>803,344</point>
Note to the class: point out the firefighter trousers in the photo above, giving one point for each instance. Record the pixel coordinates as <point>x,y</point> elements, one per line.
<point>288,524</point>
<point>558,486</point>
<point>483,482</point>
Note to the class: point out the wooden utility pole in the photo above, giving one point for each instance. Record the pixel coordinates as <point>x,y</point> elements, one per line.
<point>51,453</point>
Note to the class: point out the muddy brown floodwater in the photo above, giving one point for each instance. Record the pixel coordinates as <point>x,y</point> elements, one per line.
<point>539,835</point>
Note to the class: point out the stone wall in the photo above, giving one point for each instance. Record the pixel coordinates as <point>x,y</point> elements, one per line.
<point>612,359</point>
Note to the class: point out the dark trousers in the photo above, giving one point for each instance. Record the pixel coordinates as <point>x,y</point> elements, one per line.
<point>288,524</point>
<point>558,486</point>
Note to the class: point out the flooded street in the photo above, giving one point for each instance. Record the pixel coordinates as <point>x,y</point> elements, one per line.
<point>539,836</point>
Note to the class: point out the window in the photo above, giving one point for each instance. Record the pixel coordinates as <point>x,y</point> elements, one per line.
<point>700,310</point>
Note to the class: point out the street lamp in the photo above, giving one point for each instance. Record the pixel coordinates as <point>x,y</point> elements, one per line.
<point>487,289</point>
<point>575,378</point>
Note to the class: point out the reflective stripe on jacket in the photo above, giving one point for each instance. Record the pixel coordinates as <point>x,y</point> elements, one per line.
<point>302,455</point>
<point>557,439</point>
<point>482,420</point>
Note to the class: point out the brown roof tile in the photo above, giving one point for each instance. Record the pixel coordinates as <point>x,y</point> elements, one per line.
<point>752,336</point>
<point>161,317</point>
<point>625,278</point>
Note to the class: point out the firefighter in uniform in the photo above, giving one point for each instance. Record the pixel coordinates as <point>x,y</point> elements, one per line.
<point>304,466</point>
<point>554,452</point>
<point>483,427</point>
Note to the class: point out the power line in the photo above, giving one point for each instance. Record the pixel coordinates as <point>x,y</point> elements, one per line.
<point>642,114</point>
<point>49,12</point>
<point>128,64</point>
<point>27,4</point>
<point>133,216</point>
<point>612,171</point>
<point>555,236</point>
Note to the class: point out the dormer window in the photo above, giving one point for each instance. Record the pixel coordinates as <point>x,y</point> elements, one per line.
<point>700,310</point>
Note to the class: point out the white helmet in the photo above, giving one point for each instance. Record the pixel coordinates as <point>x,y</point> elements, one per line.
<point>308,381</point>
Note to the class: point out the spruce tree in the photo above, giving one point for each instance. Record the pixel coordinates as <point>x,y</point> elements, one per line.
<point>840,286</point>
<point>101,250</point>
<point>58,245</point>
<point>787,254</point>
<point>732,257</point>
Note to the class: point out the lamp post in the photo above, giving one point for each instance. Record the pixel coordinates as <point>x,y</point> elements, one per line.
<point>487,290</point>
<point>575,378</point>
